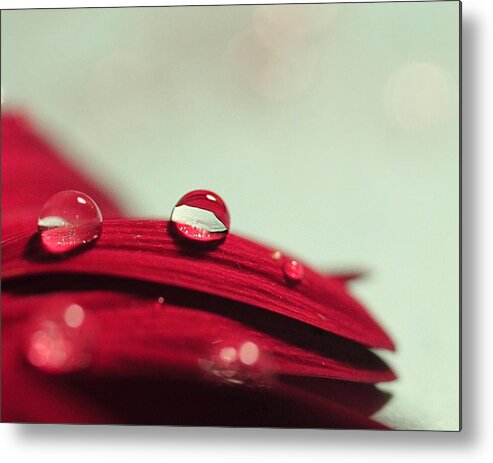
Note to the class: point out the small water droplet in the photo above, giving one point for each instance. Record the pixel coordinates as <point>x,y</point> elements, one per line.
<point>276,255</point>
<point>74,315</point>
<point>60,341</point>
<point>159,303</point>
<point>200,216</point>
<point>68,220</point>
<point>249,353</point>
<point>238,362</point>
<point>293,271</point>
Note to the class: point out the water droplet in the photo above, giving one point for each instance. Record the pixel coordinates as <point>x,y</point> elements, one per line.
<point>238,362</point>
<point>74,315</point>
<point>200,216</point>
<point>293,271</point>
<point>159,302</point>
<point>276,255</point>
<point>249,353</point>
<point>60,341</point>
<point>228,354</point>
<point>69,219</point>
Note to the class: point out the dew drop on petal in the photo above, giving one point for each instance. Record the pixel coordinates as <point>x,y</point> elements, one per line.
<point>68,220</point>
<point>200,216</point>
<point>276,255</point>
<point>237,362</point>
<point>159,303</point>
<point>74,315</point>
<point>249,353</point>
<point>293,271</point>
<point>60,341</point>
<point>228,354</point>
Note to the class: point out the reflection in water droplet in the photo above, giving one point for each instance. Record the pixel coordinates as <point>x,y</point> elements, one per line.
<point>68,220</point>
<point>293,271</point>
<point>200,216</point>
<point>238,362</point>
<point>60,341</point>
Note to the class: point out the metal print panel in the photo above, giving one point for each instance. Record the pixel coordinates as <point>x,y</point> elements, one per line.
<point>232,215</point>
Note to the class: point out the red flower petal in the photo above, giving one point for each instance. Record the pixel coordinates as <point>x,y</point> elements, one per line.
<point>129,390</point>
<point>140,339</point>
<point>171,339</point>
<point>157,400</point>
<point>28,396</point>
<point>239,270</point>
<point>346,277</point>
<point>363,398</point>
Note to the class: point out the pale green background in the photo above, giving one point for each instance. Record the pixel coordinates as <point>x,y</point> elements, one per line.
<point>151,102</point>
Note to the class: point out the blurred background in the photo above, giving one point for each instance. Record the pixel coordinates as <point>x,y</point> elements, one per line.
<point>331,131</point>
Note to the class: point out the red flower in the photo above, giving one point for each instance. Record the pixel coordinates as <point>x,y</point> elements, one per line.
<point>140,329</point>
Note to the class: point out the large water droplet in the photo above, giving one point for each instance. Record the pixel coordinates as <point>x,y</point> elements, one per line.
<point>60,341</point>
<point>200,216</point>
<point>293,271</point>
<point>238,361</point>
<point>69,219</point>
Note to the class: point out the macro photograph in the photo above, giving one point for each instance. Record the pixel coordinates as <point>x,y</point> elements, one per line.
<point>232,216</point>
